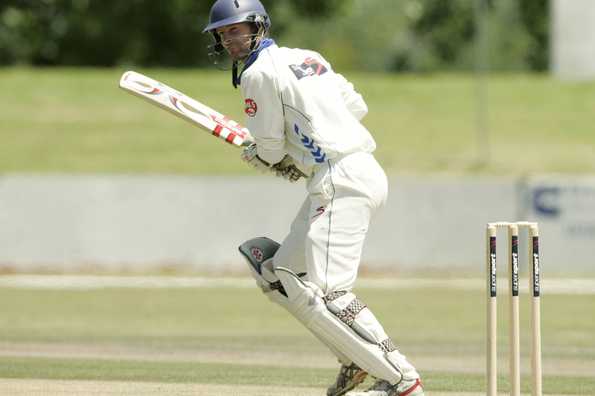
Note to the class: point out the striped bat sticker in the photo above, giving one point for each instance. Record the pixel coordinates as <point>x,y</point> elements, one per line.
<point>186,108</point>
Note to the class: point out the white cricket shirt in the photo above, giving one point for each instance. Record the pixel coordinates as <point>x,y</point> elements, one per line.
<point>297,105</point>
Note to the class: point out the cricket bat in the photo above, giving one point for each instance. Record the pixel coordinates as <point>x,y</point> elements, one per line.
<point>186,108</point>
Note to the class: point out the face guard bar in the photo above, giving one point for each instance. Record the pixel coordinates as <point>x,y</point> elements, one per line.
<point>221,58</point>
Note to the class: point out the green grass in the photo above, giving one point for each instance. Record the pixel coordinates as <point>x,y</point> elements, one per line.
<point>439,323</point>
<point>77,120</point>
<point>234,374</point>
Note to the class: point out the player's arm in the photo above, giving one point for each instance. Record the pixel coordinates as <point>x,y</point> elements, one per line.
<point>264,111</point>
<point>353,100</point>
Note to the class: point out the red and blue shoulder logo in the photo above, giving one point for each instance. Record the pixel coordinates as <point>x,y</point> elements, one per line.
<point>310,67</point>
<point>251,107</point>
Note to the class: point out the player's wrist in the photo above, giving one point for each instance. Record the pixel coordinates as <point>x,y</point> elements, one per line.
<point>250,156</point>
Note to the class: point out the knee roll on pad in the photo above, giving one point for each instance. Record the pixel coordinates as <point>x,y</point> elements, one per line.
<point>346,324</point>
<point>259,253</point>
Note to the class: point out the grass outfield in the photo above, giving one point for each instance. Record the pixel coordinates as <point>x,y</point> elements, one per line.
<point>77,120</point>
<point>233,341</point>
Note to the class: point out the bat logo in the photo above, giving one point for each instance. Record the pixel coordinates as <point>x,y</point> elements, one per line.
<point>142,86</point>
<point>187,108</point>
<point>183,107</point>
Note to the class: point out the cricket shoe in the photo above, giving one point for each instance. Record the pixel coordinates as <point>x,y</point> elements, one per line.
<point>384,388</point>
<point>348,378</point>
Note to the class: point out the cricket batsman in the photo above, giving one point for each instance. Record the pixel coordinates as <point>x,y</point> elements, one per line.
<point>306,123</point>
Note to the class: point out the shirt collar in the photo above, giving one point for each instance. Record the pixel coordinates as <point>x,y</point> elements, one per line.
<point>267,42</point>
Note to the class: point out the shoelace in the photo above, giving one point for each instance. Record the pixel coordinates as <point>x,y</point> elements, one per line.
<point>345,374</point>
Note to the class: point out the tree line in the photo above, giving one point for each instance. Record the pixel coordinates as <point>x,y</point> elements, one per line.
<point>378,35</point>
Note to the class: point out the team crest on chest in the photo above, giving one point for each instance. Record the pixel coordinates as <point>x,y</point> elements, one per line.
<point>251,107</point>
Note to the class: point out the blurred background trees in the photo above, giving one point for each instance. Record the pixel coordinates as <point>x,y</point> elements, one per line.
<point>374,35</point>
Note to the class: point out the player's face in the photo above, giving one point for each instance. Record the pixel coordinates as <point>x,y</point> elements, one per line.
<point>236,39</point>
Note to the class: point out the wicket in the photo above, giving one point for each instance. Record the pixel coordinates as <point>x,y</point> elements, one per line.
<point>534,290</point>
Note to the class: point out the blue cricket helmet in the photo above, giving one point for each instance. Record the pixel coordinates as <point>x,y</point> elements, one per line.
<point>228,12</point>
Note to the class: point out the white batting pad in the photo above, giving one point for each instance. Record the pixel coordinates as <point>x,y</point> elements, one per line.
<point>363,340</point>
<point>259,254</point>
<point>351,311</point>
<point>283,301</point>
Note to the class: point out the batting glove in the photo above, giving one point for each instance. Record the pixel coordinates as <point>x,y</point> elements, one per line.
<point>250,156</point>
<point>288,170</point>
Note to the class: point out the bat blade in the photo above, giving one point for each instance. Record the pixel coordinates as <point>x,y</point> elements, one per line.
<point>186,108</point>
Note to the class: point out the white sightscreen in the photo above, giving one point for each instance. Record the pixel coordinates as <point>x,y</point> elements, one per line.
<point>573,39</point>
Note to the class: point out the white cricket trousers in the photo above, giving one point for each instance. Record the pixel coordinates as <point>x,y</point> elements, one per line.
<point>327,235</point>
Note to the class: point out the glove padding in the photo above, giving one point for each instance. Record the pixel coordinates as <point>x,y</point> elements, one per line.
<point>286,168</point>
